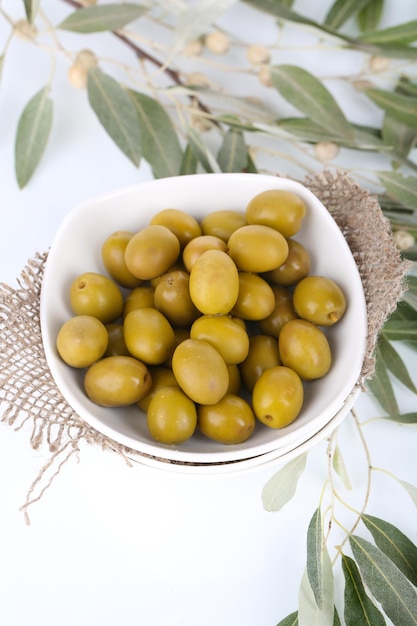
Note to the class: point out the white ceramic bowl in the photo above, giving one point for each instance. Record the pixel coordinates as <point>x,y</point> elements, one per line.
<point>77,249</point>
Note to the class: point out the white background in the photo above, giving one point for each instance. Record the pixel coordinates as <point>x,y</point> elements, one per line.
<point>111,544</point>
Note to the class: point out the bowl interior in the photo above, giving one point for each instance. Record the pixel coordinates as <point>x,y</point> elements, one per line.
<point>77,249</point>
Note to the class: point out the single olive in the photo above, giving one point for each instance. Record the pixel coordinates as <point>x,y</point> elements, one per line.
<point>279,209</point>
<point>257,248</point>
<point>171,416</point>
<point>278,397</point>
<point>94,294</point>
<point>148,335</point>
<point>182,224</point>
<point>222,223</point>
<point>228,337</point>
<point>304,347</point>
<point>161,377</point>
<point>319,300</point>
<point>214,283</point>
<point>139,298</point>
<point>172,298</point>
<point>117,381</point>
<point>113,257</point>
<point>195,248</point>
<point>82,340</point>
<point>295,267</point>
<point>255,299</point>
<point>151,251</point>
<point>282,312</point>
<point>229,421</point>
<point>263,354</point>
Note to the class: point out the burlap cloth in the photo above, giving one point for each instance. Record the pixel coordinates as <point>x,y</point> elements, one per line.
<point>28,394</point>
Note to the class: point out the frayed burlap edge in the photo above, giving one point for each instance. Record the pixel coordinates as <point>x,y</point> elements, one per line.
<point>28,393</point>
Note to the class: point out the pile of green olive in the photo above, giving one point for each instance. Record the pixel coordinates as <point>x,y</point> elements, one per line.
<point>210,325</point>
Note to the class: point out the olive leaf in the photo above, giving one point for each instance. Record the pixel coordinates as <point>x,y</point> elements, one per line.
<point>308,611</point>
<point>380,385</point>
<point>160,145</point>
<point>232,155</point>
<point>401,330</point>
<point>402,34</point>
<point>394,363</point>
<point>402,188</point>
<point>315,549</point>
<point>281,487</point>
<point>398,135</point>
<point>370,16</point>
<point>399,106</point>
<point>116,112</point>
<point>189,162</point>
<point>31,9</point>
<point>358,607</point>
<point>290,620</point>
<point>202,152</point>
<point>404,418</point>
<point>410,489</point>
<point>342,10</point>
<point>386,582</point>
<point>340,468</point>
<point>101,18</point>
<point>395,545</point>
<point>32,135</point>
<point>410,296</point>
<point>308,94</point>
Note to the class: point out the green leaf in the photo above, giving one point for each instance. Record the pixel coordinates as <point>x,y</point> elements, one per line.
<point>359,608</point>
<point>160,145</point>
<point>32,135</point>
<point>410,489</point>
<point>380,385</point>
<point>309,613</point>
<point>101,18</point>
<point>342,10</point>
<point>394,363</point>
<point>202,152</point>
<point>404,418</point>
<point>401,330</point>
<point>400,107</point>
<point>31,9</point>
<point>402,188</point>
<point>370,16</point>
<point>290,620</point>
<point>189,162</point>
<point>315,547</point>
<point>386,582</point>
<point>395,545</point>
<point>364,138</point>
<point>281,487</point>
<point>232,155</point>
<point>336,619</point>
<point>402,34</point>
<point>116,112</point>
<point>340,468</point>
<point>403,312</point>
<point>305,92</point>
<point>398,135</point>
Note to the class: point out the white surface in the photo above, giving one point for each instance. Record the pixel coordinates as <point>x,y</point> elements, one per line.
<point>110,544</point>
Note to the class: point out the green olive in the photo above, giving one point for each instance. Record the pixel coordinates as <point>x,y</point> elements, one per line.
<point>214,283</point>
<point>113,257</point>
<point>263,354</point>
<point>97,295</point>
<point>234,379</point>
<point>200,371</point>
<point>279,209</point>
<point>282,312</point>
<point>304,347</point>
<point>139,298</point>
<point>222,223</point>
<point>278,396</point>
<point>255,299</point>
<point>161,377</point>
<point>117,381</point>
<point>82,340</point>
<point>116,345</point>
<point>257,248</point>
<point>295,267</point>
<point>172,298</point>
<point>151,251</point>
<point>148,335</point>
<point>319,300</point>
<point>171,416</point>
<point>182,224</point>
<point>195,248</point>
<point>228,337</point>
<point>229,421</point>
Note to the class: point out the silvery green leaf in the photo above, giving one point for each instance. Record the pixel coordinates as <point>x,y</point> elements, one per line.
<point>381,387</point>
<point>404,418</point>
<point>386,582</point>
<point>309,95</point>
<point>101,18</point>
<point>395,545</point>
<point>410,489</point>
<point>394,363</point>
<point>341,10</point>
<point>198,19</point>
<point>402,188</point>
<point>309,614</point>
<point>232,155</point>
<point>370,16</point>
<point>32,135</point>
<point>189,162</point>
<point>402,34</point>
<point>400,107</point>
<point>202,152</point>
<point>31,9</point>
<point>359,608</point>
<point>290,620</point>
<point>281,487</point>
<point>315,547</point>
<point>160,145</point>
<point>398,135</point>
<point>401,330</point>
<point>116,112</point>
<point>340,468</point>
